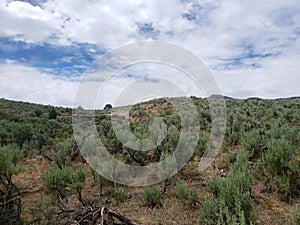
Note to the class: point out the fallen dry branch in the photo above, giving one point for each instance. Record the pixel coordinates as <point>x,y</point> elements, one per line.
<point>114,214</point>
<point>88,215</point>
<point>9,201</point>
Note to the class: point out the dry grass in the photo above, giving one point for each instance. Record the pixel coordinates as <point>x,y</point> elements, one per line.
<point>270,209</point>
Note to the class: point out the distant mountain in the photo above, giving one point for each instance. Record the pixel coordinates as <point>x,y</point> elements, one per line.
<point>5,103</point>
<point>289,98</point>
<point>220,97</point>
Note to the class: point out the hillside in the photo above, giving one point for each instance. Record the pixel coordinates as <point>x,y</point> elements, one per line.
<point>255,179</point>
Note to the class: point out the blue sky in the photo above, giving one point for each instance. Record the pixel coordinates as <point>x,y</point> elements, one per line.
<point>250,46</point>
<point>70,60</point>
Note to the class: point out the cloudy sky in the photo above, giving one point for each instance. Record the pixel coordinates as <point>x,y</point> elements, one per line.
<point>252,47</point>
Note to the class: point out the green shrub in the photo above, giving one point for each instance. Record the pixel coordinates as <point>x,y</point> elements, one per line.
<point>253,143</point>
<point>52,114</point>
<point>22,133</point>
<point>10,203</point>
<point>234,127</point>
<point>231,158</point>
<point>57,180</point>
<point>61,181</point>
<point>78,182</point>
<point>187,195</point>
<point>202,142</point>
<point>120,196</point>
<point>279,168</point>
<point>230,201</point>
<point>38,112</point>
<point>64,152</point>
<point>151,197</point>
<point>230,204</point>
<point>43,212</point>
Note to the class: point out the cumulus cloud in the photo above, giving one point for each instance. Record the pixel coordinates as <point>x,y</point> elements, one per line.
<point>25,22</point>
<point>278,78</point>
<point>19,82</point>
<point>248,45</point>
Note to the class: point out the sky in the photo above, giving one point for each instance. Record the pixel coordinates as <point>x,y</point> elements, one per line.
<point>251,47</point>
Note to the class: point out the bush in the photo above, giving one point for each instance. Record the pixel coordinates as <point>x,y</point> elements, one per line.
<point>151,197</point>
<point>234,127</point>
<point>22,134</point>
<point>253,144</point>
<point>10,203</point>
<point>120,196</point>
<point>57,180</point>
<point>52,114</point>
<point>65,152</point>
<point>78,182</point>
<point>187,195</point>
<point>61,181</point>
<point>43,212</point>
<point>230,201</point>
<point>38,112</point>
<point>202,142</point>
<point>279,168</point>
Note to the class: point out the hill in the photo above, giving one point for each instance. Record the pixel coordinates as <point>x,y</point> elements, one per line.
<point>255,179</point>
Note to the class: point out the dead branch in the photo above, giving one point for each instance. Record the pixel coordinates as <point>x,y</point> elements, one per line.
<point>9,201</point>
<point>121,218</point>
<point>89,215</point>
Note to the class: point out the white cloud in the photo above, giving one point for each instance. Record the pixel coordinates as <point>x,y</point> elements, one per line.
<point>25,9</point>
<point>219,25</point>
<point>19,82</point>
<point>141,80</point>
<point>26,22</point>
<point>279,78</point>
<point>218,31</point>
<point>110,23</point>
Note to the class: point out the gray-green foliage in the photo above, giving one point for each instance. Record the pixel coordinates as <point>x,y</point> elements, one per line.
<point>279,167</point>
<point>120,196</point>
<point>234,129</point>
<point>151,197</point>
<point>202,142</point>
<point>78,178</point>
<point>230,201</point>
<point>253,143</point>
<point>62,181</point>
<point>9,156</point>
<point>43,212</point>
<point>57,180</point>
<point>22,134</point>
<point>64,152</point>
<point>187,195</point>
<point>9,194</point>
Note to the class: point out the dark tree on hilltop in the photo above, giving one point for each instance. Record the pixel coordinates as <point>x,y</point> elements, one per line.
<point>107,106</point>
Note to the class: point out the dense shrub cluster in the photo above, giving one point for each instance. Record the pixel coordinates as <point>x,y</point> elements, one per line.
<point>267,131</point>
<point>60,181</point>
<point>279,168</point>
<point>230,201</point>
